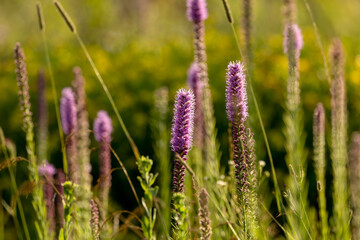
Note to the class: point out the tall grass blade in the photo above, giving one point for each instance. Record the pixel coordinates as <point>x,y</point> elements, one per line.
<point>52,80</point>
<point>318,39</point>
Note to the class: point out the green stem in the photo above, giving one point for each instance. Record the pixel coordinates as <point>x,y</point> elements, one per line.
<point>56,103</point>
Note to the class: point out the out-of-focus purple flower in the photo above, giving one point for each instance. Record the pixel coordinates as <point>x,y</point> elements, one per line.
<point>193,77</point>
<point>182,131</point>
<point>68,111</point>
<point>293,39</point>
<point>47,169</point>
<point>102,131</point>
<point>194,82</point>
<point>196,10</point>
<point>42,117</point>
<point>236,96</point>
<point>103,127</point>
<point>68,114</point>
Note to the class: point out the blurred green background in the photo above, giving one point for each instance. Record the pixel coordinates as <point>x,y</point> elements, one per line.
<point>141,45</point>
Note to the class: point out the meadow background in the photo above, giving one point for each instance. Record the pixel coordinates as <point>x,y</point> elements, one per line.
<point>141,45</point>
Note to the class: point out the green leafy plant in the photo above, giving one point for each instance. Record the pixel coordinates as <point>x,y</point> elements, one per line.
<point>147,180</point>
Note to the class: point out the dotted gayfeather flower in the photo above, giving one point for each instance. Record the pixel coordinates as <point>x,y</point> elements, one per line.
<point>236,96</point>
<point>197,13</point>
<point>69,124</point>
<point>102,132</point>
<point>293,39</point>
<point>48,171</point>
<point>196,10</point>
<point>182,131</point>
<point>237,113</point>
<point>194,82</point>
<point>242,138</point>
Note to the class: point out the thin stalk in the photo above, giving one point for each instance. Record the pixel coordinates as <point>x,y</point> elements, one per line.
<point>318,39</point>
<point>276,185</point>
<point>56,102</point>
<point>127,176</point>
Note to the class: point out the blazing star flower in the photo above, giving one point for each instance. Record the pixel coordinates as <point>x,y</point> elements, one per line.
<point>182,131</point>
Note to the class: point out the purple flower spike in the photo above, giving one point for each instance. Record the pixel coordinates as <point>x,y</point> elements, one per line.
<point>103,127</point>
<point>298,42</point>
<point>102,132</point>
<point>183,122</point>
<point>197,10</point>
<point>236,96</point>
<point>182,131</point>
<point>68,111</point>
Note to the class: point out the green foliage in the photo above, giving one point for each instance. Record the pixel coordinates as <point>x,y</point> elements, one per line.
<point>68,203</point>
<point>179,215</point>
<point>147,180</point>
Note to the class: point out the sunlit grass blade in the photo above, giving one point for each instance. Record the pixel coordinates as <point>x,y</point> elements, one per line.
<point>72,28</point>
<point>52,80</point>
